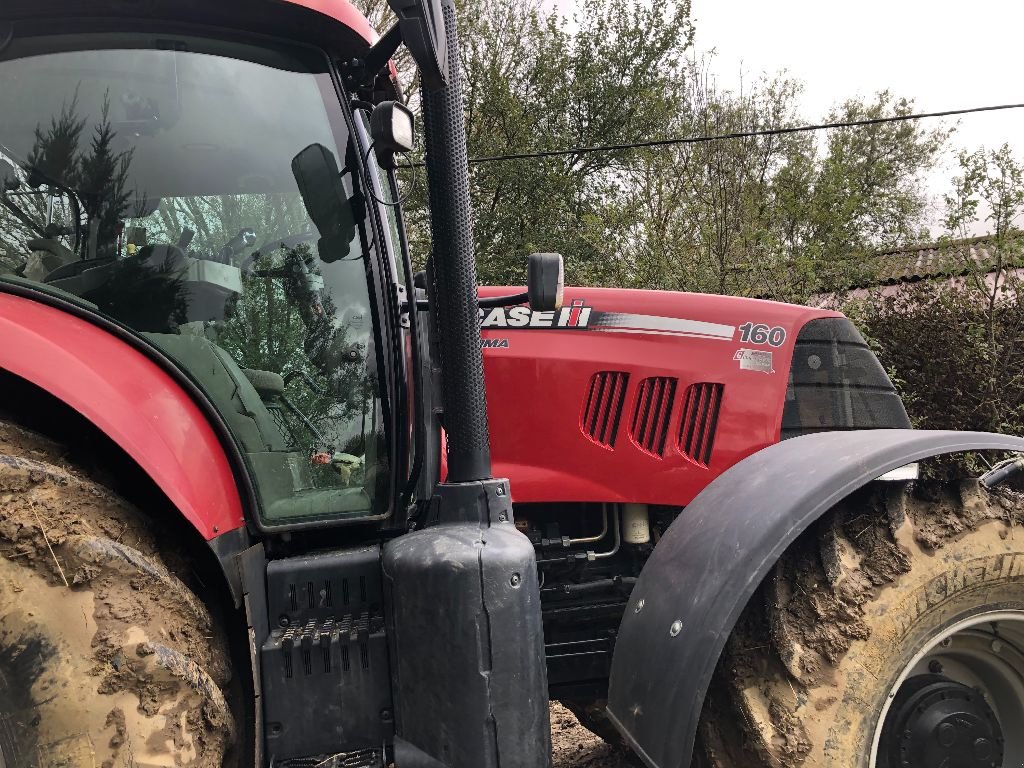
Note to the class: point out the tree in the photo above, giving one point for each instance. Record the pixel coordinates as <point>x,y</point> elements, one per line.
<point>102,183</point>
<point>532,83</point>
<point>780,216</point>
<point>783,216</point>
<point>955,346</point>
<point>89,183</point>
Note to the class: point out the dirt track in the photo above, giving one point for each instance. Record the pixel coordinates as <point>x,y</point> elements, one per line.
<point>576,747</point>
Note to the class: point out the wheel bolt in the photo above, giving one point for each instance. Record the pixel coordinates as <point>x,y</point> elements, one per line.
<point>982,749</point>
<point>947,735</point>
<point>935,667</point>
<point>996,646</point>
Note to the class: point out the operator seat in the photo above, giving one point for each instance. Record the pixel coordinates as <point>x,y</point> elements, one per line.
<point>238,398</point>
<point>268,385</point>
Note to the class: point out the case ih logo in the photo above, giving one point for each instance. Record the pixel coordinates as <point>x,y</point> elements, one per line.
<point>576,315</point>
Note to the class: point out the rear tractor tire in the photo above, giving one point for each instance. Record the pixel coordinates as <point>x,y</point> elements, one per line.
<point>106,659</point>
<point>890,637</point>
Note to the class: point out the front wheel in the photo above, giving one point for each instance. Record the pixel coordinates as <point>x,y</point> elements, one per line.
<point>107,660</point>
<point>891,637</point>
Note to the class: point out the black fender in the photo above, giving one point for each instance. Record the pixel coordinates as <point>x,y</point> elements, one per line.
<point>715,554</point>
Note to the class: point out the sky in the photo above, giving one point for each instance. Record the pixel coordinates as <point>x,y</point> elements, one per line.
<point>942,54</point>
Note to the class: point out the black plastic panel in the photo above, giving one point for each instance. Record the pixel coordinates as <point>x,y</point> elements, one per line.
<point>602,408</point>
<point>654,402</point>
<point>701,406</point>
<point>467,634</point>
<point>837,383</point>
<point>326,681</point>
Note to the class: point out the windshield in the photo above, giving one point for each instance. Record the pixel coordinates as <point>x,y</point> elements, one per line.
<point>152,177</point>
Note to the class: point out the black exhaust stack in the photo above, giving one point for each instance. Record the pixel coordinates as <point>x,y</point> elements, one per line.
<point>455,284</point>
<point>468,662</point>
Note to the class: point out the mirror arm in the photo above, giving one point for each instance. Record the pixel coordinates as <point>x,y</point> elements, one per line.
<point>488,302</point>
<point>503,301</point>
<point>377,57</point>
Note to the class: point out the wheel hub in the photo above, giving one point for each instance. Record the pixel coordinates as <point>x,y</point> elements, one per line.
<point>936,721</point>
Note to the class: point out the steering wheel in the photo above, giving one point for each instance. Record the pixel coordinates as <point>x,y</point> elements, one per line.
<point>246,238</point>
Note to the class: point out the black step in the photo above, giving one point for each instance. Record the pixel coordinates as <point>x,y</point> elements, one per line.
<point>326,681</point>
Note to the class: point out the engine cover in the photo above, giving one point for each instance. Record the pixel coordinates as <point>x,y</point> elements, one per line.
<point>648,396</point>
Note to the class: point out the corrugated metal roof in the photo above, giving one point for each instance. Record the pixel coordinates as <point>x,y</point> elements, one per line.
<point>945,259</point>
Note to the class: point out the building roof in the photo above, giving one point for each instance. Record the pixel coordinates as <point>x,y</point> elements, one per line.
<point>950,258</point>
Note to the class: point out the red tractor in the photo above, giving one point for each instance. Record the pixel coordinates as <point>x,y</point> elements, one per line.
<point>248,510</point>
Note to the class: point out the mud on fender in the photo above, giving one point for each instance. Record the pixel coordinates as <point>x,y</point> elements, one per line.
<point>713,557</point>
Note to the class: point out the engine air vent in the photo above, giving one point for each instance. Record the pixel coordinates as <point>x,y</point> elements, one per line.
<point>654,400</point>
<point>602,409</point>
<point>700,419</point>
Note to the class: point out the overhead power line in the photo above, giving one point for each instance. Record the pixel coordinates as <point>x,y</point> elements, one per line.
<point>738,135</point>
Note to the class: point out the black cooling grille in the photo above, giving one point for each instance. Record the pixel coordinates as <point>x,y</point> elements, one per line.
<point>602,408</point>
<point>654,400</point>
<point>700,419</point>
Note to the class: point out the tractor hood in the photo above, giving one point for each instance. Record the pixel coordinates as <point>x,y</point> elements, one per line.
<point>646,396</point>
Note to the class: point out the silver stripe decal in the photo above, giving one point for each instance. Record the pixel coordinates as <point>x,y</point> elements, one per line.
<point>628,322</point>
<point>645,332</point>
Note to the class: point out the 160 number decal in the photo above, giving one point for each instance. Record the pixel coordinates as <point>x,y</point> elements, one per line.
<point>759,333</point>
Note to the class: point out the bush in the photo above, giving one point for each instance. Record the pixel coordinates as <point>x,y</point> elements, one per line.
<point>954,353</point>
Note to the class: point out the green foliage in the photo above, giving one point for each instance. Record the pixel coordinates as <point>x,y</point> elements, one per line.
<point>956,346</point>
<point>97,174</point>
<point>775,216</point>
<point>532,84</point>
<point>56,152</point>
<point>102,183</point>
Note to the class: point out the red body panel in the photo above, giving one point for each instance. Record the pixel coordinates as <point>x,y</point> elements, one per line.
<point>343,11</point>
<point>538,380</point>
<point>132,400</point>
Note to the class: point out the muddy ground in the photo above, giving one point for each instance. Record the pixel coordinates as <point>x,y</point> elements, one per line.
<point>573,746</point>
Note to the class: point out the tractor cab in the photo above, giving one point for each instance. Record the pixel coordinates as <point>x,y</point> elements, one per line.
<point>204,194</point>
<point>150,174</point>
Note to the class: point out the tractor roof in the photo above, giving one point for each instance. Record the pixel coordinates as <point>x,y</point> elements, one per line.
<point>342,11</point>
<point>321,22</point>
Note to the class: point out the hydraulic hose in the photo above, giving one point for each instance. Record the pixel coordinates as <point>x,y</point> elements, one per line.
<point>1001,472</point>
<point>454,279</point>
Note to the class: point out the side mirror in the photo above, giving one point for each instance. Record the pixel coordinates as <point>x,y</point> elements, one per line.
<point>545,281</point>
<point>423,32</point>
<point>393,131</point>
<point>316,172</point>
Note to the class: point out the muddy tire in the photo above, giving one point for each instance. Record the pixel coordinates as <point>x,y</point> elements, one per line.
<point>590,714</point>
<point>890,637</point>
<point>106,658</point>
